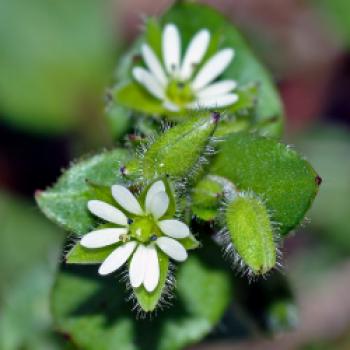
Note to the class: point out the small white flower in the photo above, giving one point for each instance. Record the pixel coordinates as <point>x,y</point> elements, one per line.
<point>140,236</point>
<point>172,80</point>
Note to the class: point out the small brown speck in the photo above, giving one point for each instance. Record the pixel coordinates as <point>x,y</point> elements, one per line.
<point>318,180</point>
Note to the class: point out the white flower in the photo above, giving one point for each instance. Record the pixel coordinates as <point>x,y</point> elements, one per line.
<point>140,236</point>
<point>173,82</point>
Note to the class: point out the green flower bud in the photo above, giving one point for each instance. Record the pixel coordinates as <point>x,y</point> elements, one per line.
<point>251,233</point>
<point>180,149</point>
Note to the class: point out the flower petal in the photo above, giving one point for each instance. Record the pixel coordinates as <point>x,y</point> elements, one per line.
<point>149,82</point>
<point>153,64</point>
<point>159,204</point>
<point>214,102</point>
<point>172,248</point>
<point>213,68</point>
<point>171,106</point>
<point>157,186</point>
<point>138,266</point>
<point>102,238</point>
<point>151,278</point>
<point>126,199</point>
<point>171,48</point>
<point>174,228</point>
<point>117,258</point>
<point>107,212</point>
<point>220,88</point>
<point>194,53</point>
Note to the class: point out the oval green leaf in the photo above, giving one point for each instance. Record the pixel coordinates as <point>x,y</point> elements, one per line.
<point>275,172</point>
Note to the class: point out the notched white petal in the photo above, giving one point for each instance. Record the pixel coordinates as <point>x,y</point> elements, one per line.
<point>172,248</point>
<point>102,238</point>
<point>171,44</point>
<point>171,106</point>
<point>156,187</point>
<point>220,88</point>
<point>194,53</point>
<point>149,82</point>
<point>152,272</point>
<point>153,64</point>
<point>138,266</point>
<point>213,68</point>
<point>107,212</point>
<point>159,204</point>
<point>214,102</point>
<point>174,228</point>
<point>126,199</point>
<point>117,258</point>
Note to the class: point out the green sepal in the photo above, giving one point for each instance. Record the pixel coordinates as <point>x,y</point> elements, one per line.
<point>251,232</point>
<point>80,255</point>
<point>134,96</point>
<point>178,150</point>
<point>190,242</point>
<point>149,301</point>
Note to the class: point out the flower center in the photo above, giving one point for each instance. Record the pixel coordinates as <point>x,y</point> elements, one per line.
<point>179,92</point>
<point>144,229</point>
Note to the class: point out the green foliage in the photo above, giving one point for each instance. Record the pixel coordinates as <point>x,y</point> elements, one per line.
<point>250,229</point>
<point>65,203</point>
<point>55,57</point>
<point>94,313</point>
<point>276,173</point>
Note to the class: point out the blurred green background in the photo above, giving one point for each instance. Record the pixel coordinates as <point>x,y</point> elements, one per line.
<point>57,60</point>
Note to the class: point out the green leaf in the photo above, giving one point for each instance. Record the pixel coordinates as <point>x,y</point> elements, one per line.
<point>65,203</point>
<point>179,149</point>
<point>149,301</point>
<point>245,68</point>
<point>251,232</point>
<point>93,312</point>
<point>276,173</point>
<point>56,59</point>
